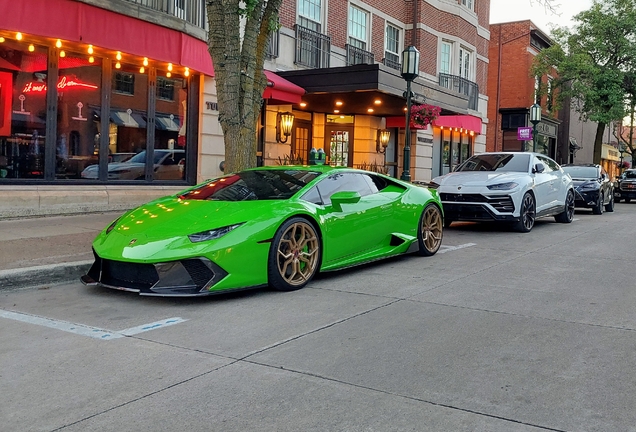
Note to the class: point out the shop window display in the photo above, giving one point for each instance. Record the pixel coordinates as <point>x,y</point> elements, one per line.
<point>23,74</point>
<point>170,125</point>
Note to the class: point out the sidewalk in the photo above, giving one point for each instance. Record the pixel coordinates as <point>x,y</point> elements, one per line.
<point>46,250</point>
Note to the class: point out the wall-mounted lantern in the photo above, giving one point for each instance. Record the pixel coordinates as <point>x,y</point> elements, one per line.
<point>384,136</point>
<point>284,123</point>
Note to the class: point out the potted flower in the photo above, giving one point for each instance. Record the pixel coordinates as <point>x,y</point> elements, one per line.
<point>423,115</point>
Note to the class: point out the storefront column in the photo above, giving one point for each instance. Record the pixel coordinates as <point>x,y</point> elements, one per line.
<point>51,115</point>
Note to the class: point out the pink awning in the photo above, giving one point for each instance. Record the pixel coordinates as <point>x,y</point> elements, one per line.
<point>79,22</point>
<point>281,91</point>
<point>465,122</point>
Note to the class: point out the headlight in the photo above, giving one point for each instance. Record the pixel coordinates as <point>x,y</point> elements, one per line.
<point>503,186</point>
<point>433,185</point>
<point>213,234</point>
<point>589,186</point>
<point>112,226</point>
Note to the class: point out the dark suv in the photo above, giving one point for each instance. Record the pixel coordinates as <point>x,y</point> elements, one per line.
<point>592,187</point>
<point>625,187</point>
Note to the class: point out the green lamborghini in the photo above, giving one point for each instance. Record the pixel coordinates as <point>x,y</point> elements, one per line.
<point>275,226</point>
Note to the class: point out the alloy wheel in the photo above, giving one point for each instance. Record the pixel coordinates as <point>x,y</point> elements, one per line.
<point>297,254</point>
<point>431,228</point>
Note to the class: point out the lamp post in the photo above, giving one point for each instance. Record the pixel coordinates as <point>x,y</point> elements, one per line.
<point>410,71</point>
<point>535,119</point>
<point>622,150</point>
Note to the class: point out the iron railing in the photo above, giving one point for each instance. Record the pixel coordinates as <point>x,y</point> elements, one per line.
<point>312,48</point>
<point>391,60</point>
<point>191,11</point>
<point>357,55</point>
<point>272,46</point>
<point>463,86</point>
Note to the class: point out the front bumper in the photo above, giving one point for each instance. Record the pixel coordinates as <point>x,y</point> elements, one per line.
<point>186,277</point>
<point>625,192</point>
<point>478,207</point>
<point>585,199</point>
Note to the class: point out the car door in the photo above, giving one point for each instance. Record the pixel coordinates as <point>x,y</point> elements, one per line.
<point>352,228</point>
<point>606,186</point>
<point>542,185</point>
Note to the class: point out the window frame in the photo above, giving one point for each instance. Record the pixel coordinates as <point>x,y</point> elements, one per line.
<point>312,21</point>
<point>354,26</point>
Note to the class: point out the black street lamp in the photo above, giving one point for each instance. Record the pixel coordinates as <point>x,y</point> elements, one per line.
<point>622,150</point>
<point>535,119</point>
<point>410,71</point>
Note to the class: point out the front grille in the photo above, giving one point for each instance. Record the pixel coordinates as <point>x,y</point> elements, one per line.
<point>128,275</point>
<point>503,204</point>
<point>628,186</point>
<point>198,271</point>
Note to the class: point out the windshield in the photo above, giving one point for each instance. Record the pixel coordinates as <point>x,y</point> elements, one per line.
<point>582,172</point>
<point>502,162</point>
<point>629,174</point>
<point>253,185</point>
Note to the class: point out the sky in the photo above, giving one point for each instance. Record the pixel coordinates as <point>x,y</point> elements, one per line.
<point>518,10</point>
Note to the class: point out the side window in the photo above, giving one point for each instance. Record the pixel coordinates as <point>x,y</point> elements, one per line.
<point>549,167</point>
<point>376,183</point>
<point>312,196</point>
<point>351,182</point>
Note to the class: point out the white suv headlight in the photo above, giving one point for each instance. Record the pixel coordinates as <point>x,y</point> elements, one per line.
<point>503,186</point>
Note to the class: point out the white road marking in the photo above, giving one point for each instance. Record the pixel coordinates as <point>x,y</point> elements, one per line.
<point>444,249</point>
<point>84,330</point>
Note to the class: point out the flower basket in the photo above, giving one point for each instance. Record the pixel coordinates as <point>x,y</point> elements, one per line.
<point>623,164</point>
<point>423,115</point>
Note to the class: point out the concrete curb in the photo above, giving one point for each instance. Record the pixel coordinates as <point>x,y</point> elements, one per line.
<point>43,275</point>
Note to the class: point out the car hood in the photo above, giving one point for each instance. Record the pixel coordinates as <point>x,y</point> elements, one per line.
<point>172,217</point>
<point>476,178</point>
<point>580,182</point>
<point>125,166</point>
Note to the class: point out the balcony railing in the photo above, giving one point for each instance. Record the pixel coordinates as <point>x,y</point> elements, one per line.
<point>463,86</point>
<point>192,11</point>
<point>357,55</point>
<point>312,48</point>
<point>391,60</point>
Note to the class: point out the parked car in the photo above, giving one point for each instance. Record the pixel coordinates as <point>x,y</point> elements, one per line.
<point>592,187</point>
<point>119,157</point>
<point>512,187</point>
<point>169,165</point>
<point>275,225</point>
<point>625,186</point>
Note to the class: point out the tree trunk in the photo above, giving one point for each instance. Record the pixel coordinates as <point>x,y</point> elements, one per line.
<point>598,143</point>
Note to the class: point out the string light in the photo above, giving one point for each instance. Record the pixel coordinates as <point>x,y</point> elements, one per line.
<point>168,74</point>
<point>118,55</point>
<point>91,59</point>
<point>170,67</point>
<point>31,48</point>
<point>18,36</point>
<point>117,65</point>
<point>145,61</point>
<point>90,49</point>
<point>62,54</point>
<point>187,72</point>
<point>1,39</point>
<point>58,44</point>
<point>142,70</point>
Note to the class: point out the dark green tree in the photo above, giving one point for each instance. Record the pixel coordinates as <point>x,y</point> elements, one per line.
<point>238,37</point>
<point>592,60</point>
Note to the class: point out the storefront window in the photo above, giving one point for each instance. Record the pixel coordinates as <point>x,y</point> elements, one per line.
<point>23,75</point>
<point>170,125</point>
<point>78,117</point>
<point>128,123</point>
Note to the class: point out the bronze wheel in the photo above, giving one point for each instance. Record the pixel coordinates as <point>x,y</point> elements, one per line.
<point>294,255</point>
<point>430,230</point>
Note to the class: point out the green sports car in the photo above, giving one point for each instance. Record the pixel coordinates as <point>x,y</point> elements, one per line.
<point>275,226</point>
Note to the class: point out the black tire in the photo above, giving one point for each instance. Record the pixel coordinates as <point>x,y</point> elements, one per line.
<point>610,205</point>
<point>617,200</point>
<point>527,214</point>
<point>628,200</point>
<point>294,255</point>
<point>448,222</point>
<point>430,230</point>
<point>598,208</point>
<point>568,213</point>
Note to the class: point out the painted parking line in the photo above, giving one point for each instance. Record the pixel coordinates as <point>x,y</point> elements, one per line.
<point>444,249</point>
<point>84,330</point>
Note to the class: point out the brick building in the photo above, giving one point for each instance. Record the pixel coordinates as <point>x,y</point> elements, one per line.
<point>512,90</point>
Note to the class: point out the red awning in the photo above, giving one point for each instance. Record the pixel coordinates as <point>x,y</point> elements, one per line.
<point>79,22</point>
<point>281,91</point>
<point>466,122</point>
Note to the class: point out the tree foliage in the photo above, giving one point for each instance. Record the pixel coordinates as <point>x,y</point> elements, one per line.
<point>592,60</point>
<point>237,40</point>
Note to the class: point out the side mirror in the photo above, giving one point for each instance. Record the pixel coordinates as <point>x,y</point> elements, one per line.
<point>344,197</point>
<point>538,168</point>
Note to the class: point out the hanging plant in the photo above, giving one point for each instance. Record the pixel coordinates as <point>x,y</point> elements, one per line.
<point>423,115</point>
<point>623,164</point>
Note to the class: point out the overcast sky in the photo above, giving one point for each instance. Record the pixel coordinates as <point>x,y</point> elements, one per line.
<point>517,10</point>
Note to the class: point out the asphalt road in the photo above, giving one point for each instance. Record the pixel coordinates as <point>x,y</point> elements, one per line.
<point>499,331</point>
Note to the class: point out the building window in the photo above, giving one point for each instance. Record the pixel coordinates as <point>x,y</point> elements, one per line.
<point>358,27</point>
<point>445,57</point>
<point>468,3</point>
<point>537,90</point>
<point>310,14</point>
<point>165,89</point>
<point>550,96</point>
<point>465,63</point>
<point>124,83</point>
<point>392,46</point>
